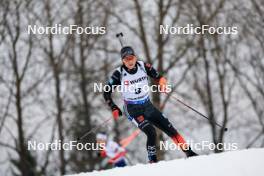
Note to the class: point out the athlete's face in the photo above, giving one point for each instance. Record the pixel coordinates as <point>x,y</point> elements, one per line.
<point>130,61</point>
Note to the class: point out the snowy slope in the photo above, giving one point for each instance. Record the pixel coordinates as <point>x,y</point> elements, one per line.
<point>238,163</point>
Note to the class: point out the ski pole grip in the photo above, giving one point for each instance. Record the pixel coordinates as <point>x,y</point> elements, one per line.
<point>119,35</point>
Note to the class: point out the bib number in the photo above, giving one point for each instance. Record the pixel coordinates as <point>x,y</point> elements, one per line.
<point>137,90</point>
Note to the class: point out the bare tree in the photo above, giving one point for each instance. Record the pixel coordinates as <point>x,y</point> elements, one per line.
<point>251,80</point>
<point>55,59</point>
<point>19,65</point>
<point>85,72</point>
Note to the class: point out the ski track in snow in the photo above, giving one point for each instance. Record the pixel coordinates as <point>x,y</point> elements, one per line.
<point>236,163</point>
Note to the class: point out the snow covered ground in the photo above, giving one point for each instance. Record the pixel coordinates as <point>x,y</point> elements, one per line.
<point>239,163</point>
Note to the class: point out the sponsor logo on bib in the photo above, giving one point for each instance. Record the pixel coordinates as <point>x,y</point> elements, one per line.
<point>138,80</point>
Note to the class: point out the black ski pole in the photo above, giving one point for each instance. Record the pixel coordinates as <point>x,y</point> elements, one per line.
<point>173,96</point>
<point>120,38</point>
<point>93,129</point>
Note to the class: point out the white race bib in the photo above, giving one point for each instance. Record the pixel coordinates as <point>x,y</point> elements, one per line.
<point>135,86</point>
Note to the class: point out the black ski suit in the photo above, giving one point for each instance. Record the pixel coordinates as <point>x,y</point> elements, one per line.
<point>143,113</point>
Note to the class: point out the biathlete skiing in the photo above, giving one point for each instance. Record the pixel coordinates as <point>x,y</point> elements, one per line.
<point>133,76</point>
<point>113,150</point>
